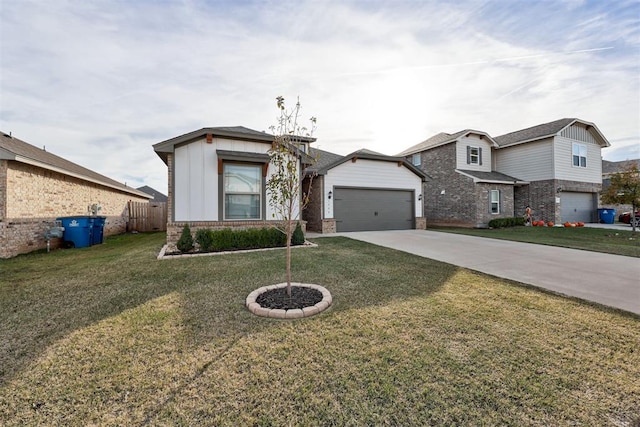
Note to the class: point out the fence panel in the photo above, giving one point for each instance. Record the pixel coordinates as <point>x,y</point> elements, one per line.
<point>151,216</point>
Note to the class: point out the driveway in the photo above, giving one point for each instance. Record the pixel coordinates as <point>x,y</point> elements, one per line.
<point>611,280</point>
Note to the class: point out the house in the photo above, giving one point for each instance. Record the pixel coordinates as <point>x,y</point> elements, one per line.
<point>555,168</point>
<point>36,187</point>
<point>217,179</point>
<point>363,191</point>
<point>610,168</point>
<point>156,195</point>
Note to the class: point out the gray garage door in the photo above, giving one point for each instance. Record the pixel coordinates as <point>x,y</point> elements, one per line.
<point>360,209</point>
<point>577,207</point>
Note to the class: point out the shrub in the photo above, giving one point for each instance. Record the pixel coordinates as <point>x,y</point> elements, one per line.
<point>204,238</point>
<point>297,238</point>
<point>185,242</point>
<point>506,222</point>
<point>228,239</point>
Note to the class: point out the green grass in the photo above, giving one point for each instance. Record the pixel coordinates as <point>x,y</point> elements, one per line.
<point>617,242</point>
<point>108,335</point>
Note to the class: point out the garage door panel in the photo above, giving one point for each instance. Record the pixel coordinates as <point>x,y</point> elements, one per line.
<point>577,207</point>
<point>359,209</point>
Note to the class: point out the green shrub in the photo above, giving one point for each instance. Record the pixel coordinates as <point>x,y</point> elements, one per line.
<point>185,242</point>
<point>229,239</point>
<point>506,222</point>
<point>204,238</point>
<point>297,238</point>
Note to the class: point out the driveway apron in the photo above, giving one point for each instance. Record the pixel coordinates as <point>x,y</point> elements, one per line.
<point>611,280</point>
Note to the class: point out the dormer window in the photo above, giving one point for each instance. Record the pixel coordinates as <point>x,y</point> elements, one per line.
<point>474,155</point>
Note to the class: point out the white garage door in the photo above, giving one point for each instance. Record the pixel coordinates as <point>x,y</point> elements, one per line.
<point>577,207</point>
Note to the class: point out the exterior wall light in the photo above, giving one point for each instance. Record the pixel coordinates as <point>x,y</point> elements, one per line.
<point>420,197</point>
<point>330,194</point>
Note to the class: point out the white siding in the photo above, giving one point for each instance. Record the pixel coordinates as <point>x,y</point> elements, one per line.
<point>371,174</point>
<point>196,177</point>
<point>461,153</point>
<point>532,161</point>
<point>564,161</point>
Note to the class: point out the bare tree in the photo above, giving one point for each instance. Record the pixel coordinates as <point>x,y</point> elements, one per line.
<point>287,156</point>
<point>624,189</point>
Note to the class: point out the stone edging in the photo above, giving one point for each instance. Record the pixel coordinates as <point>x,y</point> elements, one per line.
<point>162,255</point>
<point>258,310</point>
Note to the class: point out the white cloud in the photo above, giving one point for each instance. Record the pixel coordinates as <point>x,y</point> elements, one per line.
<point>99,83</point>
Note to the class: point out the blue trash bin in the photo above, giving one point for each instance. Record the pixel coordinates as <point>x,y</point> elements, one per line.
<point>77,231</point>
<point>98,229</point>
<point>606,215</point>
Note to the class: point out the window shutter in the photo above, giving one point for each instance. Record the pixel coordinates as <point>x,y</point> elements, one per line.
<point>480,156</point>
<point>468,155</point>
<point>489,201</point>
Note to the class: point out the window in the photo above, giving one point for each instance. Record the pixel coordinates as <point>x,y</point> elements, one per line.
<point>416,160</point>
<point>474,155</point>
<point>242,191</point>
<point>495,201</point>
<point>579,155</point>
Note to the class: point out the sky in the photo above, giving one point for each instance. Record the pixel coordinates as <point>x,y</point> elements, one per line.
<point>100,82</point>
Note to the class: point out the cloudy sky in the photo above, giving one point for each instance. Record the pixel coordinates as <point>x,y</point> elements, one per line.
<point>99,82</point>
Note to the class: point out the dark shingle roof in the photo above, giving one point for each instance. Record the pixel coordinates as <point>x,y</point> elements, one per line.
<point>327,160</point>
<point>491,177</point>
<point>442,138</point>
<point>12,148</point>
<point>613,167</point>
<point>157,196</point>
<point>535,132</point>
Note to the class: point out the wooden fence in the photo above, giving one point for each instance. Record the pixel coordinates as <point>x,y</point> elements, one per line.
<point>147,216</point>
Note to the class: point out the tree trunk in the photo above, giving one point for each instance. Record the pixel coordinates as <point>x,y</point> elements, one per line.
<point>288,228</point>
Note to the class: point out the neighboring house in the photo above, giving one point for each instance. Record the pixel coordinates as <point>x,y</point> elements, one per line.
<point>37,186</point>
<point>610,168</point>
<point>156,195</point>
<point>555,168</point>
<point>363,191</point>
<point>217,179</point>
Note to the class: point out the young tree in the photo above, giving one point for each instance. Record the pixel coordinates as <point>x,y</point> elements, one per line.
<point>285,184</point>
<point>624,189</point>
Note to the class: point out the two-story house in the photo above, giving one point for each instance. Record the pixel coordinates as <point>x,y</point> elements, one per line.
<point>555,168</point>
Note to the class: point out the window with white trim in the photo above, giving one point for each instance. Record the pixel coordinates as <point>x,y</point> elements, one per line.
<point>495,201</point>
<point>416,159</point>
<point>474,155</point>
<point>579,154</point>
<point>242,191</point>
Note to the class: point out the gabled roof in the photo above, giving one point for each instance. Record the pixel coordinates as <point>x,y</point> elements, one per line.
<point>443,138</point>
<point>231,132</point>
<point>548,130</point>
<point>157,196</point>
<point>12,148</point>
<point>491,177</point>
<point>326,161</point>
<point>609,168</point>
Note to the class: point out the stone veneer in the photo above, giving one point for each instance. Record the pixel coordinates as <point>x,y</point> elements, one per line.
<point>31,198</point>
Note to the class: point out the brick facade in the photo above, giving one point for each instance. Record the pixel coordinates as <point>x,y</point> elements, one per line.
<point>312,214</point>
<point>32,197</point>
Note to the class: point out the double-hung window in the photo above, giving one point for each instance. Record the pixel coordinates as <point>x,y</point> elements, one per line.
<point>579,152</point>
<point>474,155</point>
<point>242,191</point>
<point>495,201</point>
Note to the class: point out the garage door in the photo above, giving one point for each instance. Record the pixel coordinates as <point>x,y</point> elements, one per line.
<point>577,207</point>
<point>365,209</point>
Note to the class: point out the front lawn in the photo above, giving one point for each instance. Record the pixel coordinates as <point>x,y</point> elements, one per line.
<point>108,335</point>
<point>617,242</point>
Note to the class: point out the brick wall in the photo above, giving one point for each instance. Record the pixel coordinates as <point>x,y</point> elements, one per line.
<point>32,197</point>
<point>483,212</point>
<point>313,212</point>
<point>457,206</point>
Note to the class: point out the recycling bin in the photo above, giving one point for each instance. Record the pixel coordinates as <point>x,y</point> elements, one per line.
<point>77,231</point>
<point>97,233</point>
<point>606,216</point>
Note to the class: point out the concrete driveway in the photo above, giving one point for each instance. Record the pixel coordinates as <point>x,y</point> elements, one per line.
<point>612,280</point>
